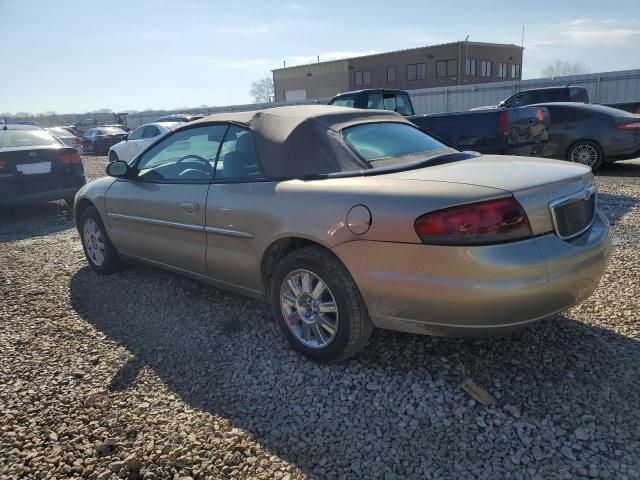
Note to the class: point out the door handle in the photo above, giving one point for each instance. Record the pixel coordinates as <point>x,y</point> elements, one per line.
<point>189,207</point>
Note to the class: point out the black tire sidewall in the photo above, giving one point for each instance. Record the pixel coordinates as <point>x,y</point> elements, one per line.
<point>290,263</point>
<point>600,158</point>
<point>111,260</point>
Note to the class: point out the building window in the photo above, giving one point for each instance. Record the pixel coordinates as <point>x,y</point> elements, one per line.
<point>515,71</point>
<point>486,68</point>
<point>363,77</point>
<point>503,69</point>
<point>391,74</point>
<point>447,68</point>
<point>416,71</point>
<point>470,67</point>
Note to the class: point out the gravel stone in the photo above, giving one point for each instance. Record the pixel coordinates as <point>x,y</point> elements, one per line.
<point>145,374</point>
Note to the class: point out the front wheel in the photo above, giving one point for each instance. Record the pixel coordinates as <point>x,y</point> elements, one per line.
<point>318,306</point>
<point>100,252</point>
<point>586,152</point>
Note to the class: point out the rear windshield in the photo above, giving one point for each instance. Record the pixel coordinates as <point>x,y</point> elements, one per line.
<point>26,138</point>
<point>111,131</point>
<point>388,143</point>
<point>60,132</point>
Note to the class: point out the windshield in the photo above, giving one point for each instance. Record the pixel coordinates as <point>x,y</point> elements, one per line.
<point>388,143</point>
<point>25,138</point>
<point>59,132</point>
<point>111,131</point>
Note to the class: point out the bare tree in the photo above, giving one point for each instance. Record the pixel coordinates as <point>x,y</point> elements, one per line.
<point>561,68</point>
<point>262,90</point>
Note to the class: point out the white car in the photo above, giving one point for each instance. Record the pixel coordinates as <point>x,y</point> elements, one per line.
<point>66,137</point>
<point>139,139</point>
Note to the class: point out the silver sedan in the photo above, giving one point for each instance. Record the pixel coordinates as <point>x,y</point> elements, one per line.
<point>346,220</point>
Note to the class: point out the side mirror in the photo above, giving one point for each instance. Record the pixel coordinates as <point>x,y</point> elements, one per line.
<point>118,169</point>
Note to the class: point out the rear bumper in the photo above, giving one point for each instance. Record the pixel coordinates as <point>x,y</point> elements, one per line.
<point>476,291</point>
<point>40,190</point>
<point>39,197</point>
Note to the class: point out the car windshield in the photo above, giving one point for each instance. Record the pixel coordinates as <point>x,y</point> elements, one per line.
<point>388,143</point>
<point>25,138</point>
<point>111,131</point>
<point>59,132</point>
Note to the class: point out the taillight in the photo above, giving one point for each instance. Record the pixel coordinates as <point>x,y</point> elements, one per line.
<point>503,123</point>
<point>637,109</point>
<point>629,126</point>
<point>70,158</point>
<point>482,223</point>
<point>539,114</point>
<point>3,163</point>
<point>77,141</point>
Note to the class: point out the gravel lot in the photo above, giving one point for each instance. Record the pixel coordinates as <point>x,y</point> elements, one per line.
<point>145,374</point>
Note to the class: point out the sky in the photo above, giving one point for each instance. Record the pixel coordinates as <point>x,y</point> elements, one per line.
<point>78,56</point>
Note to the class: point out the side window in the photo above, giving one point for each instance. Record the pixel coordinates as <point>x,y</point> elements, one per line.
<point>238,157</point>
<point>88,133</point>
<point>375,100</point>
<point>348,101</point>
<point>151,131</point>
<point>187,155</point>
<point>137,133</point>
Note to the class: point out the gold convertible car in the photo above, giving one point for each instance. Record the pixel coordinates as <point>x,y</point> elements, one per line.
<point>346,220</point>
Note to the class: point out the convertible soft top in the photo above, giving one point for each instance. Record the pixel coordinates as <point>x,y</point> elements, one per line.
<point>299,141</point>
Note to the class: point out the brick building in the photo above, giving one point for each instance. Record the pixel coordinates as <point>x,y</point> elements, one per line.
<point>458,63</point>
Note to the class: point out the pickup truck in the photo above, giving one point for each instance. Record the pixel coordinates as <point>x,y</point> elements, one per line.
<point>554,95</point>
<point>509,131</point>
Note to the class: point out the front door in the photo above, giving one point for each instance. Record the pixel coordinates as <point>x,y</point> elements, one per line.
<point>159,215</point>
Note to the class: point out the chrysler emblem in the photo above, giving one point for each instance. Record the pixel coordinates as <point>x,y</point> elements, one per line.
<point>33,154</point>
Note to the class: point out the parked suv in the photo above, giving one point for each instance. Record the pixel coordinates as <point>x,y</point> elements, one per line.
<point>546,95</point>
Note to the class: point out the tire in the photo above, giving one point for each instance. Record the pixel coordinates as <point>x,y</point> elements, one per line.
<point>350,322</point>
<point>109,261</point>
<point>113,156</point>
<point>586,152</point>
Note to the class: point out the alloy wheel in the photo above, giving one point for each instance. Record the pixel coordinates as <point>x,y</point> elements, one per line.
<point>93,242</point>
<point>309,308</point>
<point>584,154</point>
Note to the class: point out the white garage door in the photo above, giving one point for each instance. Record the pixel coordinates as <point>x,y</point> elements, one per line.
<point>295,94</point>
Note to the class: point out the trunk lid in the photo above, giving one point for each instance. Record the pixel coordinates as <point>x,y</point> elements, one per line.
<point>535,183</point>
<point>34,168</point>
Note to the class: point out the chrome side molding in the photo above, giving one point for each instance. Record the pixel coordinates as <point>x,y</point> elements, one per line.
<point>229,232</point>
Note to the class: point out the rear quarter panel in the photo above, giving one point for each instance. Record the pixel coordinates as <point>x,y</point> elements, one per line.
<point>317,211</point>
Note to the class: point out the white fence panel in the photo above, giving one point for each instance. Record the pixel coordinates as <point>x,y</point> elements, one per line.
<point>607,87</point>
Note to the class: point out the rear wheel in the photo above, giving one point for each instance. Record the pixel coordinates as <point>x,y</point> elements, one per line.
<point>100,252</point>
<point>113,156</point>
<point>586,152</point>
<point>318,306</point>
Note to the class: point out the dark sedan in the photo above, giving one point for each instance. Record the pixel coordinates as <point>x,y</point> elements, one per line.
<point>99,140</point>
<point>35,167</point>
<point>591,134</point>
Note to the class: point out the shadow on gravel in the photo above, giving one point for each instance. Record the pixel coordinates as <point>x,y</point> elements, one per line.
<point>620,169</point>
<point>616,206</point>
<point>20,222</point>
<point>397,403</point>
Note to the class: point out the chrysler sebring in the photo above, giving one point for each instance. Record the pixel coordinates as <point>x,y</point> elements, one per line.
<point>346,220</point>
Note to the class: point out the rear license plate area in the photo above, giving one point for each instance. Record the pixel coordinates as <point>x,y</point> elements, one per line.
<point>34,168</point>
